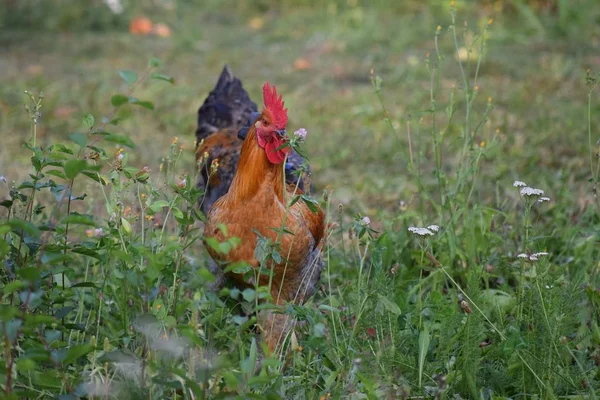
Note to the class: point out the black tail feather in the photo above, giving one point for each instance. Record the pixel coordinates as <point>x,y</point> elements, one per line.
<point>227,106</point>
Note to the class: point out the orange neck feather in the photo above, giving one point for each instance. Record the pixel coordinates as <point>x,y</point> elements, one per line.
<point>253,170</point>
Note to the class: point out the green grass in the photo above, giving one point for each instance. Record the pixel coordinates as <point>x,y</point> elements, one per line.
<point>399,130</point>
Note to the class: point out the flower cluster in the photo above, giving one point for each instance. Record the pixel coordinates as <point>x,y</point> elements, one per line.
<point>300,134</point>
<point>423,232</point>
<point>532,257</point>
<point>530,193</point>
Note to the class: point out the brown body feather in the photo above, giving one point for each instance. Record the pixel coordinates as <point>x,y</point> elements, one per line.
<point>256,200</point>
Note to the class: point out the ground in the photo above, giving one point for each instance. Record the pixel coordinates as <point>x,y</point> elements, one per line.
<point>380,88</point>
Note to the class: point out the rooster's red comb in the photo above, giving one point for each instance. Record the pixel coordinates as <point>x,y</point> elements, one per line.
<point>275,105</point>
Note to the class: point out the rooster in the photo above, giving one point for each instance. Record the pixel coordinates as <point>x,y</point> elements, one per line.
<point>227,109</point>
<point>258,201</point>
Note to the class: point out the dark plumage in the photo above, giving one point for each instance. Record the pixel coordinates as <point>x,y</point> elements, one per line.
<point>227,109</point>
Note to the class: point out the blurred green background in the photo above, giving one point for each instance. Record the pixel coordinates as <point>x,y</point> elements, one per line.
<point>320,54</point>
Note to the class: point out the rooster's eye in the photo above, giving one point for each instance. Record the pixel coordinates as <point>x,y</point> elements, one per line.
<point>265,123</point>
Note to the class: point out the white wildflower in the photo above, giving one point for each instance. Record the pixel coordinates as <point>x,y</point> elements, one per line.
<point>528,191</point>
<point>120,156</point>
<point>519,184</point>
<point>532,257</point>
<point>365,220</point>
<point>301,134</point>
<point>420,231</point>
<point>3,179</point>
<point>115,6</point>
<point>433,228</point>
<point>543,199</point>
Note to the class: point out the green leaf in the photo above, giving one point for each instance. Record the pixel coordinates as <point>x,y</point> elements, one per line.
<point>118,100</point>
<point>249,294</point>
<point>25,364</point>
<point>56,172</point>
<point>88,121</point>
<point>11,328</point>
<point>79,138</point>
<point>142,103</point>
<point>18,225</point>
<point>12,287</point>
<point>423,347</point>
<point>126,226</point>
<point>389,305</point>
<point>78,219</point>
<point>84,285</point>
<point>319,330</point>
<point>155,62</point>
<point>74,167</point>
<point>29,273</point>
<point>312,204</point>
<point>130,77</point>
<point>120,139</point>
<point>77,351</point>
<point>94,176</point>
<point>162,77</point>
<point>158,205</point>
<point>48,379</point>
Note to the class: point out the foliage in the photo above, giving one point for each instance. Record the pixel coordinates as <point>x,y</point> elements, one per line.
<point>106,292</point>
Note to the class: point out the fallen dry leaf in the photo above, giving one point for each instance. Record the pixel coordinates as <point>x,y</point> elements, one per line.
<point>140,26</point>
<point>256,23</point>
<point>161,30</point>
<point>64,112</point>
<point>34,69</point>
<point>302,63</point>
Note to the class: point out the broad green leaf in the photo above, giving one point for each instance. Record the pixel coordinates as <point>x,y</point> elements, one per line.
<point>126,226</point>
<point>79,138</point>
<point>142,103</point>
<point>29,273</point>
<point>11,328</point>
<point>120,139</point>
<point>155,62</point>
<point>56,172</point>
<point>78,219</point>
<point>118,100</point>
<point>312,204</point>
<point>130,77</point>
<point>319,330</point>
<point>74,167</point>
<point>162,77</point>
<point>158,205</point>
<point>88,121</point>
<point>389,305</point>
<point>249,294</point>
<point>18,225</point>
<point>84,285</point>
<point>77,351</point>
